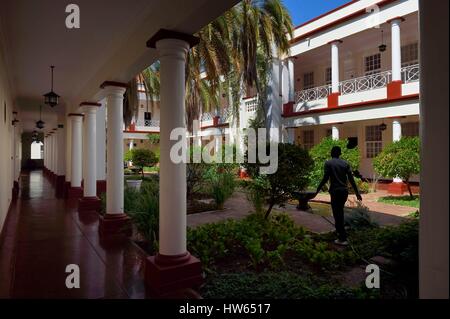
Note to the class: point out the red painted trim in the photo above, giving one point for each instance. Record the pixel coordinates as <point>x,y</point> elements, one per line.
<point>326,13</point>
<point>90,104</point>
<point>355,105</point>
<point>394,89</point>
<point>333,100</point>
<point>249,97</point>
<point>338,21</point>
<point>114,83</point>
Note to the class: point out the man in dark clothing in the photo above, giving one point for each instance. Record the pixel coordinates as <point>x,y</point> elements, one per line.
<point>339,173</point>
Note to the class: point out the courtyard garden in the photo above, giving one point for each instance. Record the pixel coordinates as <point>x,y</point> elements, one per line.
<point>266,253</point>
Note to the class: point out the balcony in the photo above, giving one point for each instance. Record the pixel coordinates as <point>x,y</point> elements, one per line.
<point>221,116</point>
<point>145,126</point>
<point>317,97</point>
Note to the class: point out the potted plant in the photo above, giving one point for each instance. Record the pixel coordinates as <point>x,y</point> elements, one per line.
<point>141,158</point>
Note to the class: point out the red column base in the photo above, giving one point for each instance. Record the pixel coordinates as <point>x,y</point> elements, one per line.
<point>394,89</point>
<point>288,108</point>
<point>333,100</point>
<point>397,188</point>
<point>59,188</point>
<point>165,275</point>
<point>89,204</point>
<point>114,224</point>
<point>101,187</point>
<point>74,192</point>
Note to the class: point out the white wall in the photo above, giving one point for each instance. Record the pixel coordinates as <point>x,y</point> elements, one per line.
<point>6,140</point>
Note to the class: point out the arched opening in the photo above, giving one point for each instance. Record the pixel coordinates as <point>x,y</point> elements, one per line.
<point>37,150</point>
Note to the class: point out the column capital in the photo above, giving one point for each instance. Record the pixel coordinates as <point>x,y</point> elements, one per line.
<point>89,107</point>
<point>335,41</point>
<point>164,34</point>
<point>114,88</point>
<point>74,114</point>
<point>395,20</point>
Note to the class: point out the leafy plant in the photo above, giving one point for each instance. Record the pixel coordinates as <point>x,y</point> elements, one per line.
<point>320,153</point>
<point>221,183</point>
<point>141,158</point>
<point>291,176</point>
<point>143,209</point>
<point>399,159</point>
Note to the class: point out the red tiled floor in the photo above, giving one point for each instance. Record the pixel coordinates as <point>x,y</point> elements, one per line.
<point>50,235</point>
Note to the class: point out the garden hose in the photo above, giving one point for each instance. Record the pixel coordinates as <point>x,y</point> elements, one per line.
<point>357,254</point>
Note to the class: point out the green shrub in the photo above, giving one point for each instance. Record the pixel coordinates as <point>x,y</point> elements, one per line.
<point>143,208</point>
<point>363,187</point>
<point>277,285</point>
<point>399,159</point>
<point>220,182</point>
<point>127,171</point>
<point>321,153</point>
<point>255,190</point>
<point>359,217</point>
<point>141,158</point>
<point>263,241</point>
<point>291,176</point>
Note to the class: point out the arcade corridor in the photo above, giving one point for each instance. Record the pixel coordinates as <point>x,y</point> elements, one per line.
<point>45,234</point>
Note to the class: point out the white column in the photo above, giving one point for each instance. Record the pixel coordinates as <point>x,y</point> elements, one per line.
<point>68,147</point>
<point>396,50</point>
<point>50,152</point>
<point>396,131</point>
<point>334,132</point>
<point>335,67</point>
<point>290,65</point>
<point>101,142</point>
<point>114,145</point>
<point>55,151</point>
<point>396,136</point>
<point>172,194</point>
<point>76,151</point>
<point>291,135</point>
<point>434,109</point>
<point>89,151</point>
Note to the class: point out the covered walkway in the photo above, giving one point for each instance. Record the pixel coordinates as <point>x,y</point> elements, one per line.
<point>44,234</point>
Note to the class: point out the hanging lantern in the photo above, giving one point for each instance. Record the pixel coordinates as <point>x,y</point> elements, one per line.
<point>383,126</point>
<point>382,47</point>
<point>51,98</point>
<point>40,123</point>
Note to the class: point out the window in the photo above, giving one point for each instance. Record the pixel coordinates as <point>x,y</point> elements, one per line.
<point>329,132</point>
<point>410,129</point>
<point>374,142</point>
<point>308,80</point>
<point>328,75</point>
<point>308,139</point>
<point>37,151</point>
<point>410,54</point>
<point>372,64</point>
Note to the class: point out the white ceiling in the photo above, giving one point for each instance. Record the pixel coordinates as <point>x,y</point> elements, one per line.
<point>110,45</point>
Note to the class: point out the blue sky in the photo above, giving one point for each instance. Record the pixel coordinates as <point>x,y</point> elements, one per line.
<point>304,10</point>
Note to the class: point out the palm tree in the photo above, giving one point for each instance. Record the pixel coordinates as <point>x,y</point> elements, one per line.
<point>235,50</point>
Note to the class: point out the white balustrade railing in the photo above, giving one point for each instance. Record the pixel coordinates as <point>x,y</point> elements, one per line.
<point>223,114</point>
<point>317,93</point>
<point>147,123</point>
<point>365,83</point>
<point>251,105</point>
<point>410,73</point>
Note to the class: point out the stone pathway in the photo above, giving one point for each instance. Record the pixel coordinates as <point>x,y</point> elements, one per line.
<point>238,207</point>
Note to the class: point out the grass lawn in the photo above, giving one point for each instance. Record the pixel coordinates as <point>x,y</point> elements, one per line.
<point>401,200</point>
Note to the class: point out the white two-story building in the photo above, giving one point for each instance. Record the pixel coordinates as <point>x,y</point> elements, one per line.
<point>352,74</point>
